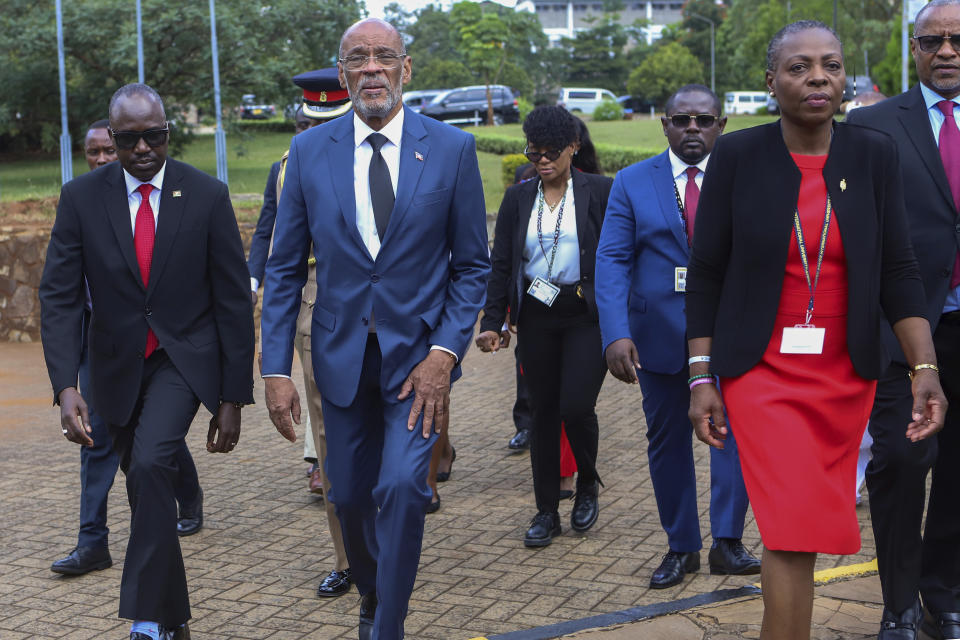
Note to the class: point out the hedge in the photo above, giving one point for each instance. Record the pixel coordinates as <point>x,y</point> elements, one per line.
<point>509,165</point>
<point>612,158</point>
<point>257,126</point>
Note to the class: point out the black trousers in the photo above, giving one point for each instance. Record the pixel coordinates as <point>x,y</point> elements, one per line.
<point>564,369</point>
<point>521,408</point>
<point>154,583</point>
<point>896,481</point>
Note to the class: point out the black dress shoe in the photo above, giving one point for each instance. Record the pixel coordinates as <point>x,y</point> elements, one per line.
<point>543,528</point>
<point>730,558</point>
<point>83,560</point>
<point>335,584</point>
<point>674,566</point>
<point>903,626</point>
<point>179,633</point>
<point>942,626</point>
<point>520,441</point>
<point>586,507</point>
<point>368,611</point>
<point>191,517</point>
<point>433,507</point>
<point>443,476</point>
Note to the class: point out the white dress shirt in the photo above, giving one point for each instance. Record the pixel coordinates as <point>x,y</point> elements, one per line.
<point>393,130</point>
<point>134,197</point>
<point>566,265</point>
<point>679,169</point>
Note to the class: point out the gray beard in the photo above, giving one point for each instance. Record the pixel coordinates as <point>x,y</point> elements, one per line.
<point>377,110</point>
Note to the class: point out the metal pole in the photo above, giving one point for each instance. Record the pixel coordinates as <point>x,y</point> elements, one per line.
<point>139,44</point>
<point>834,15</point>
<point>904,76</point>
<point>220,137</point>
<point>713,50</point>
<point>66,157</point>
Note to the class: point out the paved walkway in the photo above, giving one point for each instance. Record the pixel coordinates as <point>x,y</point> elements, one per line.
<point>254,568</point>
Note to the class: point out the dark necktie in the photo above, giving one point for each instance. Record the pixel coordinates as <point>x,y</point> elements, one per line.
<point>143,236</point>
<point>949,144</point>
<point>691,196</point>
<point>381,187</point>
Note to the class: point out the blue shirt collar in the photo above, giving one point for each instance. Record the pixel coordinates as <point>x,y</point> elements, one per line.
<point>931,97</point>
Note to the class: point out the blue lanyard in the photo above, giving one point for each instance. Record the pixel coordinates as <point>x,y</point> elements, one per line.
<point>812,285</point>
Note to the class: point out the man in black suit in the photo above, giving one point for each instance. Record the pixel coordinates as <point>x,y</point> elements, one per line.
<point>920,122</point>
<point>172,327</point>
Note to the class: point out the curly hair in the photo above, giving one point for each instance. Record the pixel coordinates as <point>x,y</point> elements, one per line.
<point>551,127</point>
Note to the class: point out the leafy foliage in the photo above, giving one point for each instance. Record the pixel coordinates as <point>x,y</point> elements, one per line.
<point>669,67</point>
<point>608,110</point>
<point>509,164</point>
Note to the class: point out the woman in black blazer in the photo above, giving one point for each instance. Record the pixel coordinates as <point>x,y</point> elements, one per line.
<point>544,250</point>
<point>801,251</point>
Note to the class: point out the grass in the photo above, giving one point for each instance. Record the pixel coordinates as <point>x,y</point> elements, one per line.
<point>34,177</point>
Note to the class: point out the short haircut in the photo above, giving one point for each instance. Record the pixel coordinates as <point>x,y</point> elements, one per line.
<point>931,5</point>
<point>551,127</point>
<point>694,88</point>
<point>135,89</point>
<point>99,124</point>
<point>403,47</point>
<point>776,43</point>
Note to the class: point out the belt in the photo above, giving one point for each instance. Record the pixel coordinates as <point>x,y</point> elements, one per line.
<point>950,317</point>
<point>574,289</point>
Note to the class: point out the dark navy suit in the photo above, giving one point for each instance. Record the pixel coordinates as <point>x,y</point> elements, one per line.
<point>642,244</point>
<point>424,288</point>
<point>260,243</point>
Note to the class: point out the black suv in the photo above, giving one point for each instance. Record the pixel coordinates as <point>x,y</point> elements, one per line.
<point>468,105</point>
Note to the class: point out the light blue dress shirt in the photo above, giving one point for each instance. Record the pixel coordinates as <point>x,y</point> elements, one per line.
<point>566,265</point>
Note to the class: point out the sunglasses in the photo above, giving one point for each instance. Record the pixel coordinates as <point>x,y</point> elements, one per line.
<point>704,120</point>
<point>129,139</point>
<point>534,156</point>
<point>932,44</point>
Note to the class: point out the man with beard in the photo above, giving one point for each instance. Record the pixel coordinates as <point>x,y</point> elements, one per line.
<point>640,284</point>
<point>393,205</point>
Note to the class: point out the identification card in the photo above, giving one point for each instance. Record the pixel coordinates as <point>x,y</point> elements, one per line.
<point>680,279</point>
<point>802,338</point>
<point>544,291</point>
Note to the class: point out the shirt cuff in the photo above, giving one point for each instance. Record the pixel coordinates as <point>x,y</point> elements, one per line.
<point>254,284</point>
<point>276,375</point>
<point>439,348</point>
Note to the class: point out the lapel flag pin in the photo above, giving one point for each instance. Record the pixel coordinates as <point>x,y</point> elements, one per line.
<point>177,194</point>
<point>418,156</point>
<point>843,184</point>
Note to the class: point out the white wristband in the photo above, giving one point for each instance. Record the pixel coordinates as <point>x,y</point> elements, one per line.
<point>698,359</point>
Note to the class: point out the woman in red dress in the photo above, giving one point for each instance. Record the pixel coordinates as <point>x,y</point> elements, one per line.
<point>801,252</point>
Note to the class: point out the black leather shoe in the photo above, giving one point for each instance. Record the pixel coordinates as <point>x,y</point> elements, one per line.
<point>543,528</point>
<point>674,566</point>
<point>586,507</point>
<point>191,517</point>
<point>368,611</point>
<point>521,441</point>
<point>943,626</point>
<point>443,476</point>
<point>730,558</point>
<point>180,633</point>
<point>335,584</point>
<point>433,507</point>
<point>83,560</point>
<point>903,626</point>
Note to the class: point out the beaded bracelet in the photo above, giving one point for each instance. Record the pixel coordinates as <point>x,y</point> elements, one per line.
<point>699,377</point>
<point>702,381</point>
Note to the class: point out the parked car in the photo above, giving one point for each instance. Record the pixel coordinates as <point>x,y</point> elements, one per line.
<point>250,110</point>
<point>773,107</point>
<point>468,105</point>
<point>577,100</point>
<point>417,99</point>
<point>744,102</point>
<point>857,85</point>
<point>635,106</point>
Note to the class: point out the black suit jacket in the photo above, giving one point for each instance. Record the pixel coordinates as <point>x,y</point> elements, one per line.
<point>931,213</point>
<point>742,239</point>
<point>197,301</point>
<point>505,286</point>
<point>263,234</point>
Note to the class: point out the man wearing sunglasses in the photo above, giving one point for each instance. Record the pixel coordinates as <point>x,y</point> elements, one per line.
<point>172,327</point>
<point>640,285</point>
<point>923,122</point>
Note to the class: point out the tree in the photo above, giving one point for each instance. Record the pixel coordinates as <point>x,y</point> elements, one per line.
<point>663,72</point>
<point>597,56</point>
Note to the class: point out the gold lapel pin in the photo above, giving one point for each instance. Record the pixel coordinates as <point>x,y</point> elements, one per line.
<point>843,184</point>
<point>177,194</point>
<point>418,155</point>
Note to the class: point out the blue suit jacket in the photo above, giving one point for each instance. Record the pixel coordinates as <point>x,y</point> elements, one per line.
<point>428,282</point>
<point>260,243</point>
<point>641,245</point>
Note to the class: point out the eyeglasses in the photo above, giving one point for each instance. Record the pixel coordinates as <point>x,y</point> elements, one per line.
<point>704,120</point>
<point>932,44</point>
<point>129,139</point>
<point>383,60</point>
<point>534,156</point>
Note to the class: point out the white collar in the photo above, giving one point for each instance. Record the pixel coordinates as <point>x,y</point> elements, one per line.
<point>678,166</point>
<point>393,130</point>
<point>134,183</point>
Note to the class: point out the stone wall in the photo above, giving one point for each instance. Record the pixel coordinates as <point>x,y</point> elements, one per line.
<point>22,253</point>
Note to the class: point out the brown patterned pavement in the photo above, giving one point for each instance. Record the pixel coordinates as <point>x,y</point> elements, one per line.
<point>254,568</point>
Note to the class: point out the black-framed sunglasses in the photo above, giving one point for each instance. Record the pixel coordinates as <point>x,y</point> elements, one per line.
<point>932,44</point>
<point>129,139</point>
<point>534,156</point>
<point>704,120</point>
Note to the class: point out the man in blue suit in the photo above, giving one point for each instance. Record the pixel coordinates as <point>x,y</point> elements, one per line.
<point>640,282</point>
<point>393,204</point>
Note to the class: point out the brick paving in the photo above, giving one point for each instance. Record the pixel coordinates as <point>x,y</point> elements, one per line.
<point>254,568</point>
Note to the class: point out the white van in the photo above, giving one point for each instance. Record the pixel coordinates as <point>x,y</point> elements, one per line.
<point>740,102</point>
<point>577,100</point>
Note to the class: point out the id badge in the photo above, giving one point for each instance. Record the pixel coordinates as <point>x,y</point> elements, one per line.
<point>680,279</point>
<point>544,291</point>
<point>802,338</point>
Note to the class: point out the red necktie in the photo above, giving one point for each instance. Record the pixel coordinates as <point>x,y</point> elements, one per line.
<point>143,236</point>
<point>691,196</point>
<point>949,144</point>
